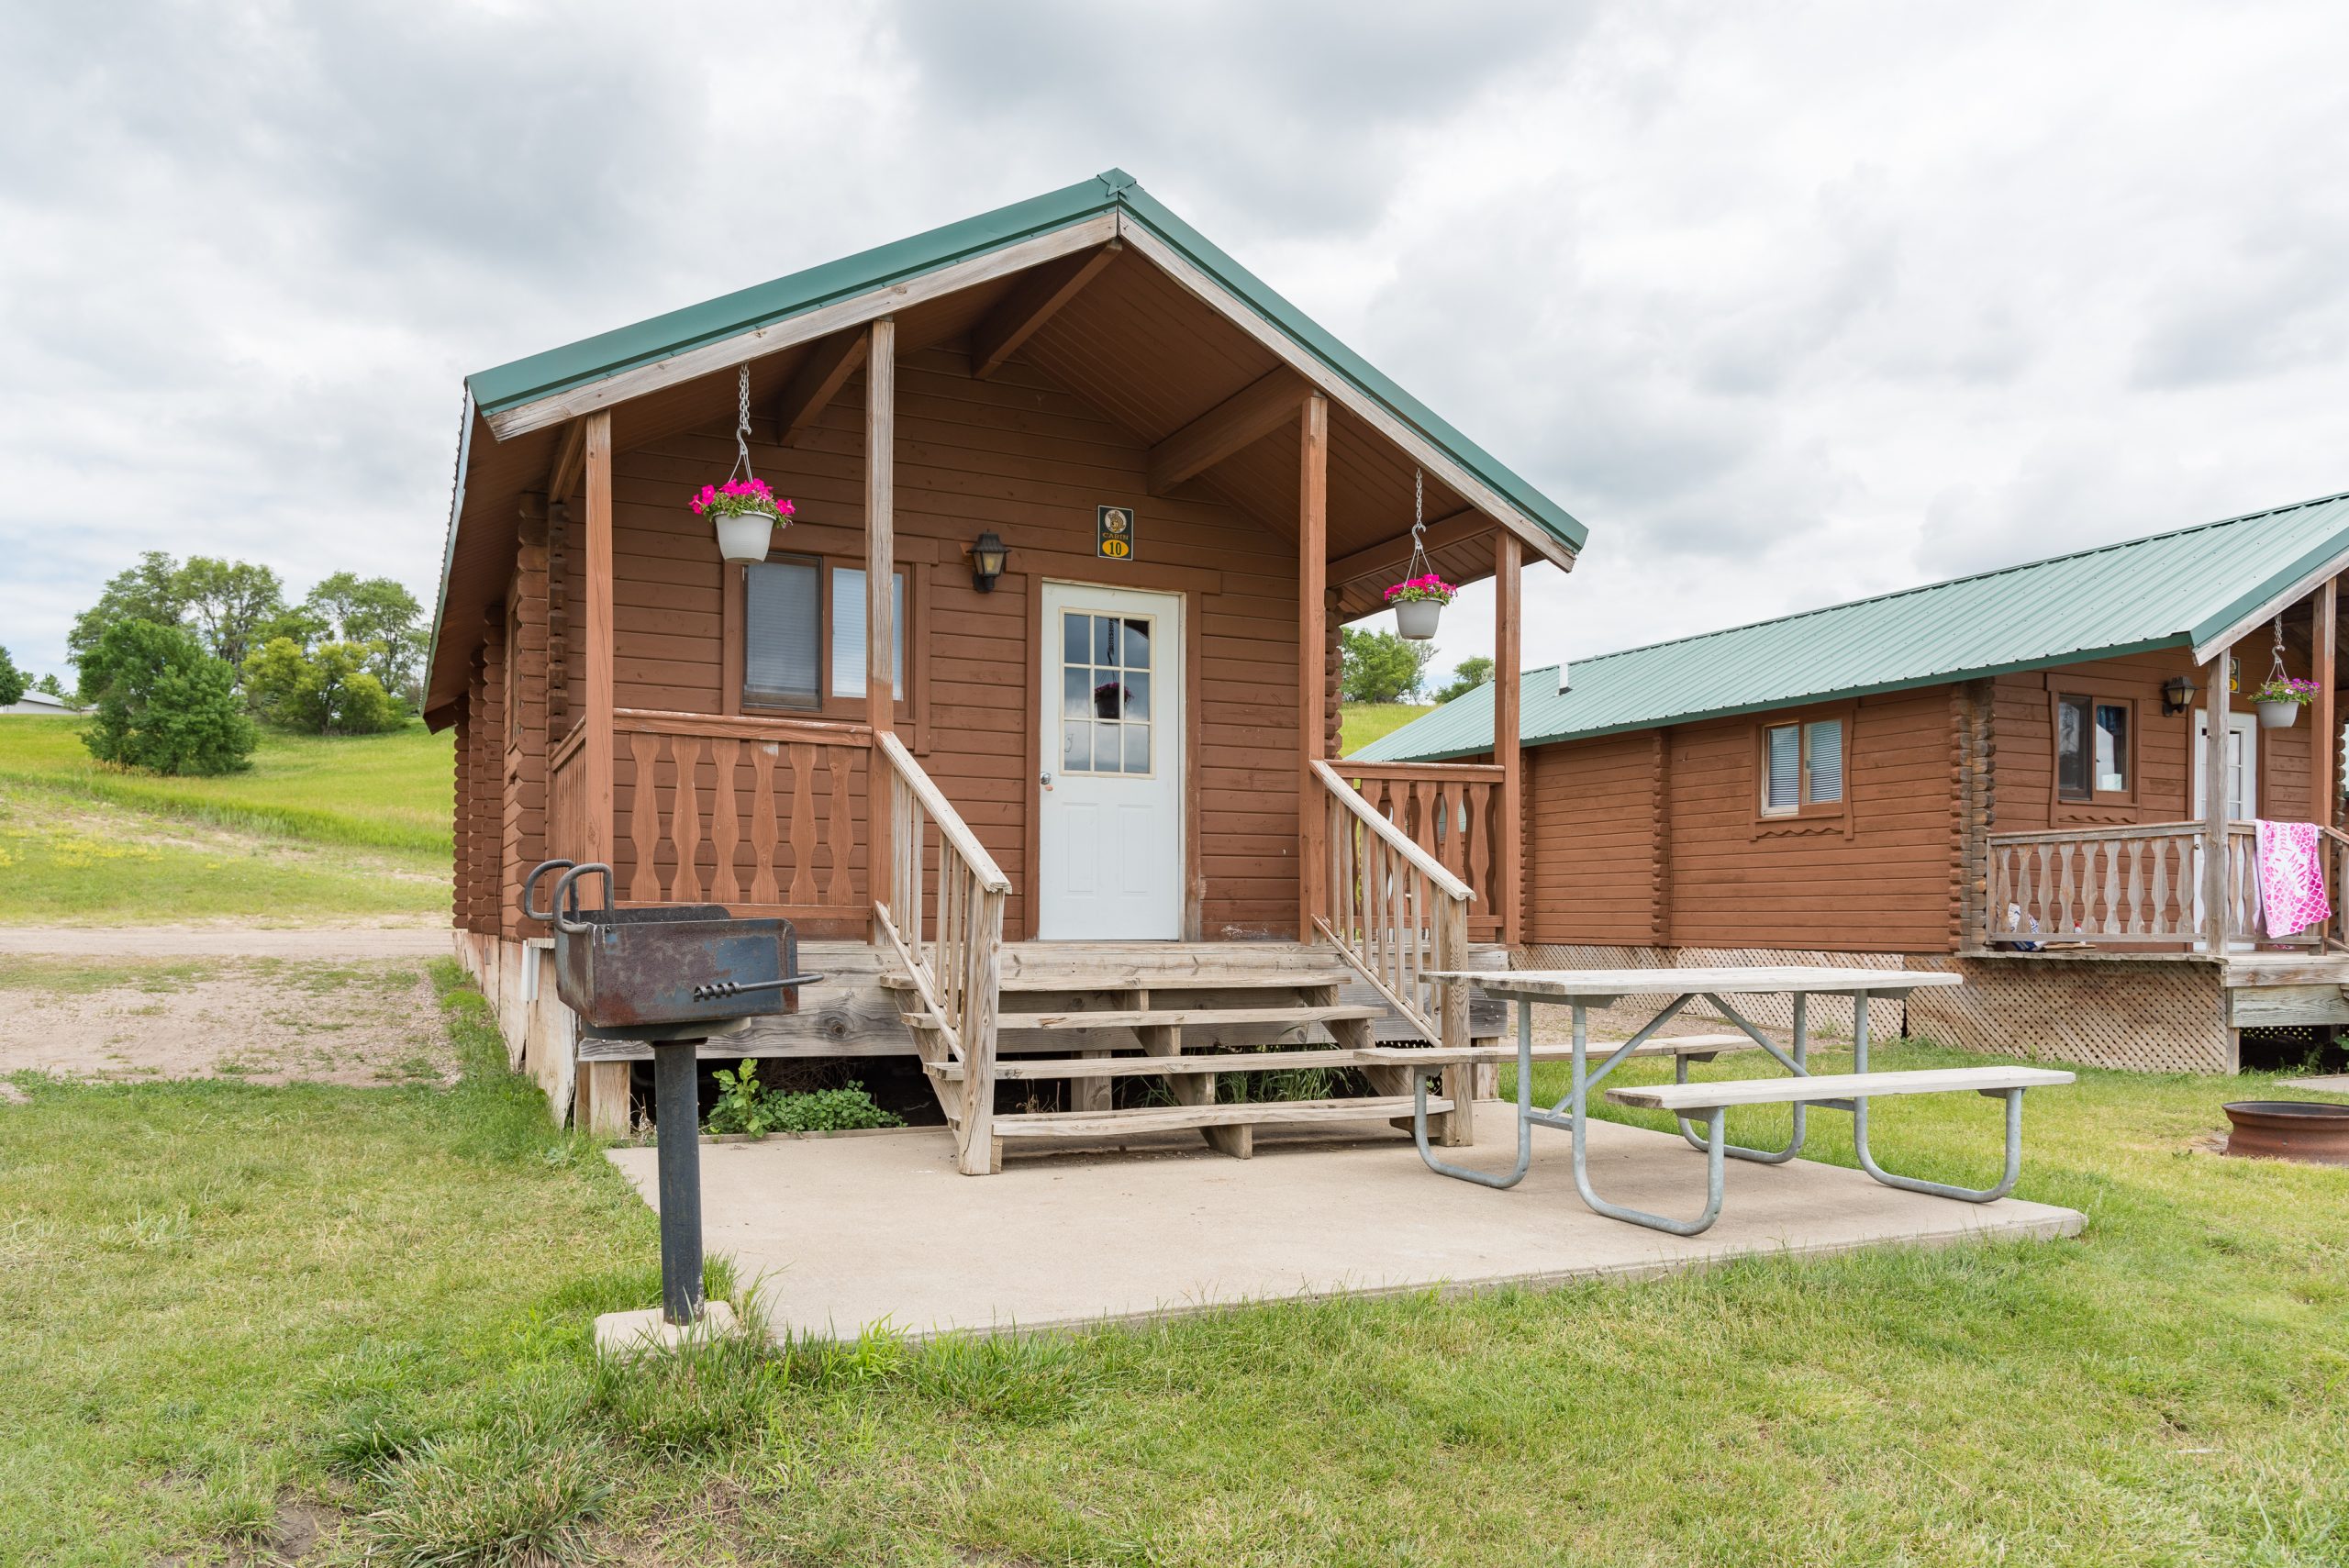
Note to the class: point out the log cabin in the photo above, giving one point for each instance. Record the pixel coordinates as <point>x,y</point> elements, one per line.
<point>1025,719</point>
<point>2005,775</point>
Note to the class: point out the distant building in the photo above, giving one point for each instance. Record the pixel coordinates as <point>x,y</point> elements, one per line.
<point>42,703</point>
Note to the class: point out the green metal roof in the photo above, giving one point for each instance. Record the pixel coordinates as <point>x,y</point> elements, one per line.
<point>593,359</point>
<point>2171,590</point>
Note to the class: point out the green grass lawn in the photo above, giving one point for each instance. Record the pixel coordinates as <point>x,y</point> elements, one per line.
<point>227,1311</point>
<point>319,829</point>
<point>1364,722</point>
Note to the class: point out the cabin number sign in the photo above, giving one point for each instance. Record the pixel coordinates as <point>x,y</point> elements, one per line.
<point>1114,533</point>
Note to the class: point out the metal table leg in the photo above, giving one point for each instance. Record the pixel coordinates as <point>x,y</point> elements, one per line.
<point>1524,1107</point>
<point>1579,1098</point>
<point>1859,1106</point>
<point>1796,1064</point>
<point>677,1128</point>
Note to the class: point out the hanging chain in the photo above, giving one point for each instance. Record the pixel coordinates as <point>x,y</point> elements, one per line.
<point>1419,566</point>
<point>2276,666</point>
<point>742,428</point>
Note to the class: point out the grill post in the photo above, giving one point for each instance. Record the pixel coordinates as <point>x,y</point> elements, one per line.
<point>677,1129</point>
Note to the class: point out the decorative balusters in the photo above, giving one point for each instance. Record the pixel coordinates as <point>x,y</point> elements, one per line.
<point>2126,884</point>
<point>1393,905</point>
<point>1446,809</point>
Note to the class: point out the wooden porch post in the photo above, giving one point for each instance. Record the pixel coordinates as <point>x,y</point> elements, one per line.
<point>1312,655</point>
<point>595,762</point>
<point>602,1087</point>
<point>1508,653</point>
<point>2324,767</point>
<point>880,605</point>
<point>2214,803</point>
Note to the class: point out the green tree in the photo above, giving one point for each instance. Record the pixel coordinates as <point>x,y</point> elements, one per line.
<point>12,680</point>
<point>1378,666</point>
<point>1471,674</point>
<point>52,685</point>
<point>377,610</point>
<point>147,592</point>
<point>168,706</point>
<point>228,601</point>
<point>327,690</point>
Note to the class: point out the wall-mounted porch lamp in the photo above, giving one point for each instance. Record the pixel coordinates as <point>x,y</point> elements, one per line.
<point>988,557</point>
<point>2178,695</point>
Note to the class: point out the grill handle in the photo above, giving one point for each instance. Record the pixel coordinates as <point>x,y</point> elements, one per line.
<point>722,989</point>
<point>531,880</point>
<point>566,896</point>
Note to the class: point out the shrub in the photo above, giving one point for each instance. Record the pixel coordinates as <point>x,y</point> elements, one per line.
<point>745,1106</point>
<point>326,690</point>
<point>12,680</point>
<point>1471,672</point>
<point>164,705</point>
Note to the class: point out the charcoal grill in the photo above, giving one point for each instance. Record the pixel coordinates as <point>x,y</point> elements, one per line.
<point>670,977</point>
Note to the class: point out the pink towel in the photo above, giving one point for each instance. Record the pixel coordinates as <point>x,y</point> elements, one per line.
<point>2291,878</point>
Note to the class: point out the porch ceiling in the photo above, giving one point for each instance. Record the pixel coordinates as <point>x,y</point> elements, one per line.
<point>1134,342</point>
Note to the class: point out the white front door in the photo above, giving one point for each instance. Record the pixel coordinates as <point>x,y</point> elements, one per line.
<point>2242,765</point>
<point>1110,858</point>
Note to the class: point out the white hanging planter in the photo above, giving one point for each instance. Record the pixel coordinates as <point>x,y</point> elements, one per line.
<point>745,536</point>
<point>2278,715</point>
<point>1417,618</point>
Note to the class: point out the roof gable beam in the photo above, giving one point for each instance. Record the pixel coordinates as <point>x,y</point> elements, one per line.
<point>570,462</point>
<point>1394,554</point>
<point>1032,304</point>
<point>818,380</point>
<point>1267,403</point>
<point>822,321</point>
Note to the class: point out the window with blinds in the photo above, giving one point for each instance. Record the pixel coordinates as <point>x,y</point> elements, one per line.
<point>782,634</point>
<point>788,658</point>
<point>1803,765</point>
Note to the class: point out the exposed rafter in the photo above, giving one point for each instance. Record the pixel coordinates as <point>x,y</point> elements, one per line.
<point>1265,405</point>
<point>1391,555</point>
<point>1032,304</point>
<point>829,363</point>
<point>565,473</point>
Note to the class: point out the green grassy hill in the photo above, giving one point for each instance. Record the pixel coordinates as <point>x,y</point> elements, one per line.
<point>320,828</point>
<point>1364,722</point>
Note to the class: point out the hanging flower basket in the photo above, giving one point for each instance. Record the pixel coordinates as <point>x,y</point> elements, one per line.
<point>746,514</point>
<point>2280,700</point>
<point>1417,603</point>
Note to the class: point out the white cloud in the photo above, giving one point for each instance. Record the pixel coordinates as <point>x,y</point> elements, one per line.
<point>1789,303</point>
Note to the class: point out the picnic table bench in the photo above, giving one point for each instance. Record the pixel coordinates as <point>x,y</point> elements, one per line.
<point>1709,1103</point>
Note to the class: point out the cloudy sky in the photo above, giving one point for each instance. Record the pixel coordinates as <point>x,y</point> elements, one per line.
<point>1790,303</point>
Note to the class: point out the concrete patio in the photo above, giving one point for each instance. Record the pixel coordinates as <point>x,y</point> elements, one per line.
<point>867,1231</point>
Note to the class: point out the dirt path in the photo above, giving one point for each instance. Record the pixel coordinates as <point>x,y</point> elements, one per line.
<point>417,939</point>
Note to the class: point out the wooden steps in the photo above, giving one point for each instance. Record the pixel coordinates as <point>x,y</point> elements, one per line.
<point>1241,1116</point>
<point>1146,1017</point>
<point>1017,1067</point>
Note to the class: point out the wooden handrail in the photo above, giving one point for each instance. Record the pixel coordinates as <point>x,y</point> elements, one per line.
<point>741,727</point>
<point>951,825</point>
<point>1490,772</point>
<point>1392,836</point>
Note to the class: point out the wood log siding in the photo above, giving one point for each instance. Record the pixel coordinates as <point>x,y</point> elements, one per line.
<point>1451,811</point>
<point>761,814</point>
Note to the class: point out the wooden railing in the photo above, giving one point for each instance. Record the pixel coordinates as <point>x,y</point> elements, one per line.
<point>956,966</point>
<point>2136,885</point>
<point>752,813</point>
<point>1396,912</point>
<point>1451,810</point>
<point>567,798</point>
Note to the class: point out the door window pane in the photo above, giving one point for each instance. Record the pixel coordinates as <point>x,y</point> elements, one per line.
<point>1137,694</point>
<point>1137,645</point>
<point>1781,781</point>
<point>848,632</point>
<point>1105,639</point>
<point>1105,678</point>
<point>1075,637</point>
<point>1823,768</point>
<point>1076,693</point>
<point>1137,747</point>
<point>1076,747</point>
<point>2072,748</point>
<point>781,633</point>
<point>2111,745</point>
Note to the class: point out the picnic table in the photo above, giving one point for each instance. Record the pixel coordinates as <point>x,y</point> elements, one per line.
<point>1583,989</point>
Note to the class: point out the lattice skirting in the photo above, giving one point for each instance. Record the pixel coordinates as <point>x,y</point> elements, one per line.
<point>2165,1015</point>
<point>2146,1015</point>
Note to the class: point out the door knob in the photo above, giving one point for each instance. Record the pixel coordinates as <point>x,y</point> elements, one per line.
<point>1047,781</point>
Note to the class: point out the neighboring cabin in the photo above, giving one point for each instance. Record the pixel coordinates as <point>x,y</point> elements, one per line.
<point>43,704</point>
<point>1945,776</point>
